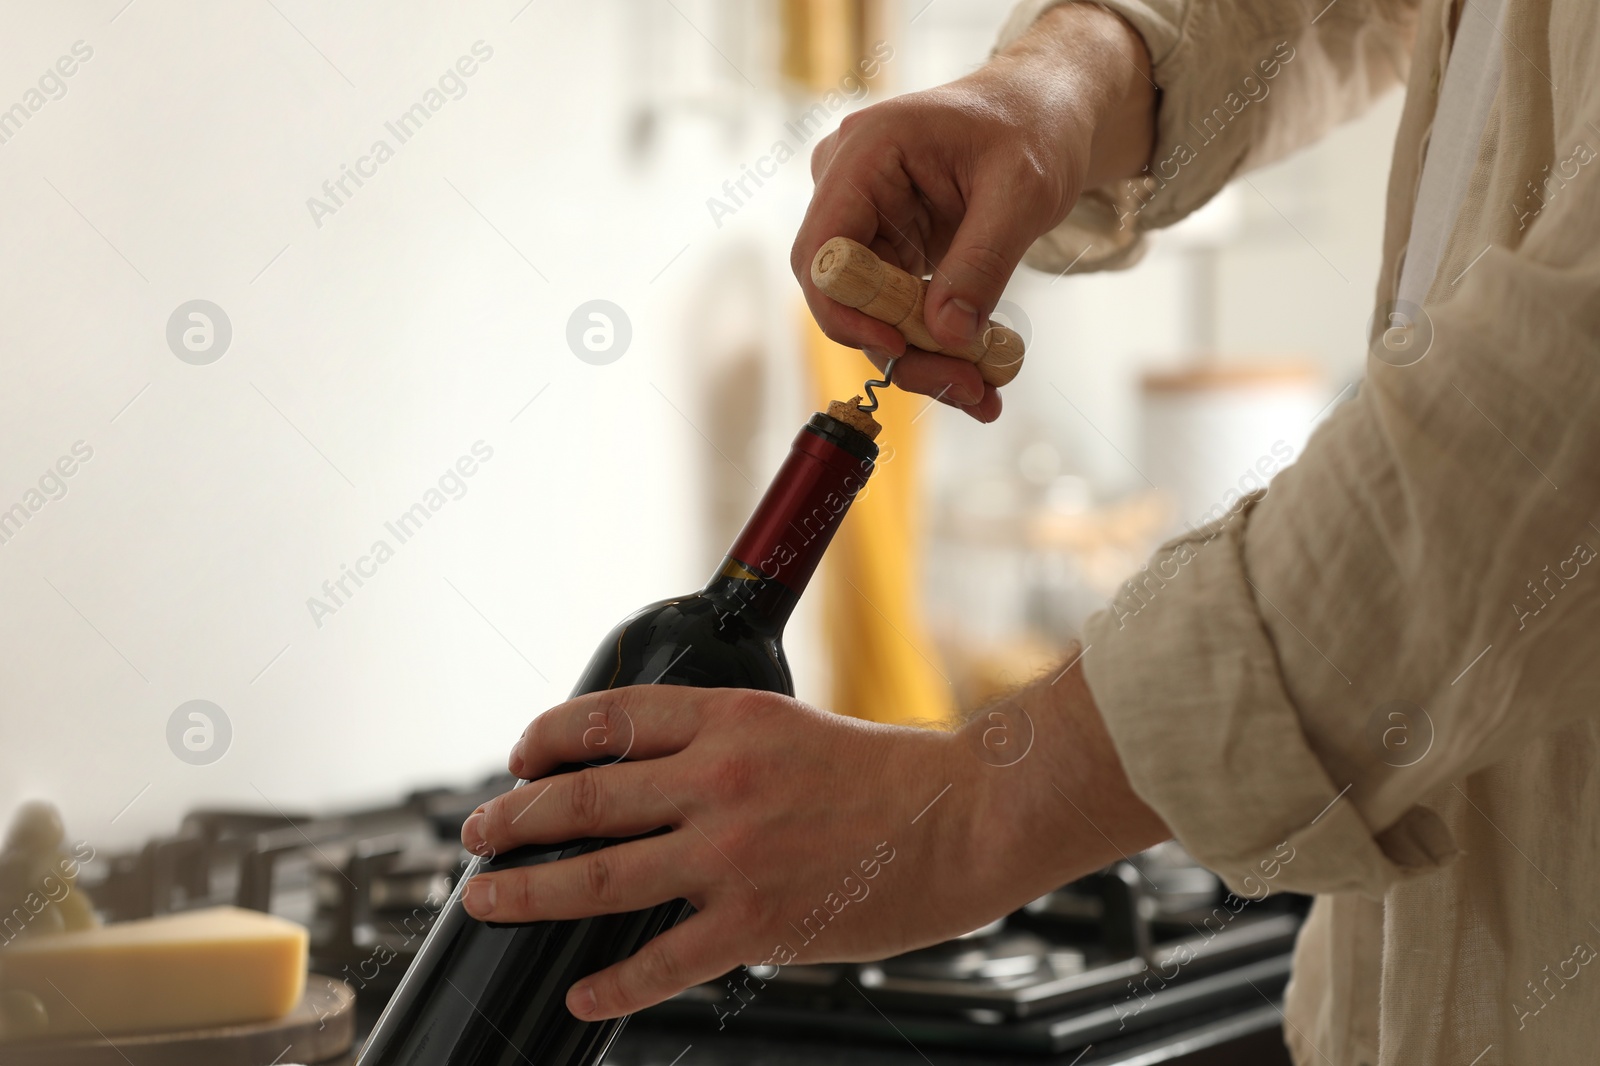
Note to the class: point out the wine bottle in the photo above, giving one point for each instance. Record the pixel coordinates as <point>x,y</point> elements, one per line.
<point>490,994</point>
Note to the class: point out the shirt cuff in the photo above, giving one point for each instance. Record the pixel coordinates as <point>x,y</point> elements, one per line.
<point>1187,681</point>
<point>1197,150</point>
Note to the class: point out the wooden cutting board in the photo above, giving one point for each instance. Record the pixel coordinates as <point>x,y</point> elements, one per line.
<point>320,1028</point>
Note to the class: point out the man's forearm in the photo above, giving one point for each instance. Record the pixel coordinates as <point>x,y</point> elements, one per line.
<point>1057,804</point>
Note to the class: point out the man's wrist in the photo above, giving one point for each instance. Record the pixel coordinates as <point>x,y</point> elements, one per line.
<point>1056,802</point>
<point>1094,68</point>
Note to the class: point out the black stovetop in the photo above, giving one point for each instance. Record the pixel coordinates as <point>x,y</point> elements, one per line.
<point>1148,961</point>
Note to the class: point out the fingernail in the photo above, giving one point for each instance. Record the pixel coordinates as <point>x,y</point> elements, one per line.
<point>478,897</point>
<point>879,355</point>
<point>959,317</point>
<point>580,1000</point>
<point>514,763</point>
<point>964,395</point>
<point>472,833</point>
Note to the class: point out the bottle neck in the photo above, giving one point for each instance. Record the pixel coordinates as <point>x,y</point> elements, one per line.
<point>772,560</point>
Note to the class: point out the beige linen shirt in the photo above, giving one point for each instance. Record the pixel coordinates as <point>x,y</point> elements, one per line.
<point>1422,587</point>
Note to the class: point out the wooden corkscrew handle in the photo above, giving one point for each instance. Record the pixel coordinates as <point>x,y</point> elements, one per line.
<point>852,274</point>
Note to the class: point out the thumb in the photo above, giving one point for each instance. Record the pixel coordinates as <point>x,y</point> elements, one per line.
<point>968,281</point>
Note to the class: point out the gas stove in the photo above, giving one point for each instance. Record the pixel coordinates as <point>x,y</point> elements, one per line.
<point>1146,961</point>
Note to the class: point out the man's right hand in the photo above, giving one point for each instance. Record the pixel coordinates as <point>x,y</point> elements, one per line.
<point>960,180</point>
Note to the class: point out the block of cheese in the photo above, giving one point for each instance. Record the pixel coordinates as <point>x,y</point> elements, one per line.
<point>217,966</point>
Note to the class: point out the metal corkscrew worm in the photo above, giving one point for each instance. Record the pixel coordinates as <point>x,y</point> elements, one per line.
<point>874,383</point>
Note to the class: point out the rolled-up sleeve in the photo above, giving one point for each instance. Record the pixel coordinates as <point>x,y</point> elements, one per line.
<point>1186,672</point>
<point>1433,555</point>
<point>1242,83</point>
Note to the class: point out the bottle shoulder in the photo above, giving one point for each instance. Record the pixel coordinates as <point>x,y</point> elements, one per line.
<point>687,640</point>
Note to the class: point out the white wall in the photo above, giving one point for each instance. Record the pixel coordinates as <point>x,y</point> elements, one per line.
<point>365,359</point>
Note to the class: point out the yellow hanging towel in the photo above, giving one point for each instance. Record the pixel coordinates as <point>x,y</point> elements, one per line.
<point>885,665</point>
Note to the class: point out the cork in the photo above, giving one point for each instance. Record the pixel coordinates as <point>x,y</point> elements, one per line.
<point>848,412</point>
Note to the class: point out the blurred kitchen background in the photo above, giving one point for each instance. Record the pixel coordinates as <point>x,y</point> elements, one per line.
<point>355,349</point>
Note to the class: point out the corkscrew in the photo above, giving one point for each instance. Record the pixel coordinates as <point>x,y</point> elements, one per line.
<point>852,274</point>
<point>870,384</point>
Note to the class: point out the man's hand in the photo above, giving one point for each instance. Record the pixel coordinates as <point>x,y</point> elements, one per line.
<point>799,835</point>
<point>960,180</point>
